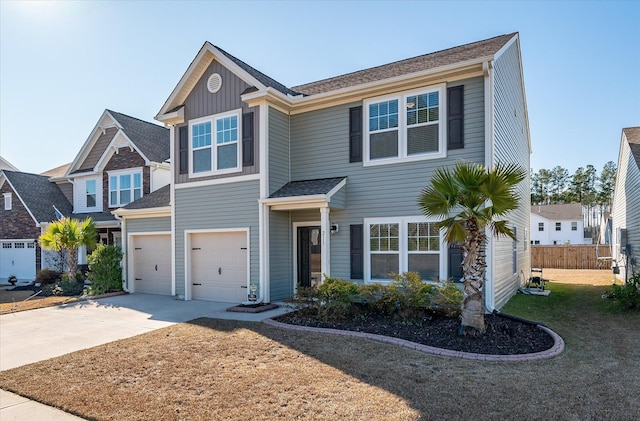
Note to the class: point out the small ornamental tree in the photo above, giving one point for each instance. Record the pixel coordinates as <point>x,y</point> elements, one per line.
<point>471,198</point>
<point>105,273</point>
<point>69,234</point>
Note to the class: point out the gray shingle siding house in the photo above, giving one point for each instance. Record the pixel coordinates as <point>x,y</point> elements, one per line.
<point>625,214</point>
<point>274,187</point>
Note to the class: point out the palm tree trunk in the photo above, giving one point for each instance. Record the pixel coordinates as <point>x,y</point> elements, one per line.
<point>72,264</point>
<point>474,265</point>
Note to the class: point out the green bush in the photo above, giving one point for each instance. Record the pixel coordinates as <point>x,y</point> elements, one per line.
<point>63,288</point>
<point>48,276</point>
<point>447,299</point>
<point>627,296</point>
<point>104,272</point>
<point>335,298</point>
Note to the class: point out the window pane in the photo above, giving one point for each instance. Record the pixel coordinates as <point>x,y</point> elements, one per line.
<point>125,182</point>
<point>383,145</point>
<point>91,200</point>
<point>137,194</point>
<point>202,160</point>
<point>374,230</point>
<point>91,186</point>
<point>201,135</point>
<point>422,139</point>
<point>412,229</point>
<point>125,197</point>
<point>427,265</point>
<point>383,264</point>
<point>374,244</point>
<point>383,115</point>
<point>137,180</point>
<point>113,197</point>
<point>227,130</point>
<point>228,156</point>
<point>113,182</point>
<point>413,244</point>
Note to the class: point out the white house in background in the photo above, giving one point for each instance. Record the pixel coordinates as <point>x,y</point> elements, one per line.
<point>557,225</point>
<point>626,206</point>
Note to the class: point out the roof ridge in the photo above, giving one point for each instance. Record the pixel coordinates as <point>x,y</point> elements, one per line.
<point>135,118</point>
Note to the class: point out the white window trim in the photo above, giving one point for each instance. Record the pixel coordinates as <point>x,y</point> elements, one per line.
<point>8,205</point>
<point>214,147</point>
<point>86,195</point>
<point>402,127</point>
<point>118,173</point>
<point>403,252</point>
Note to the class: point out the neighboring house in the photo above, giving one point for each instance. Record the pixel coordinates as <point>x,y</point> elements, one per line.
<point>30,202</point>
<point>558,225</point>
<point>6,165</point>
<point>122,160</point>
<point>275,187</point>
<point>626,206</point>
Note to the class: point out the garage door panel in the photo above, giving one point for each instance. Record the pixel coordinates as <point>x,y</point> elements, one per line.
<point>152,264</point>
<point>18,258</point>
<point>219,266</point>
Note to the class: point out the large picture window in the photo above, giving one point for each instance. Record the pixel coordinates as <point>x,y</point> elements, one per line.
<point>124,188</point>
<point>215,144</point>
<point>406,244</point>
<point>404,127</point>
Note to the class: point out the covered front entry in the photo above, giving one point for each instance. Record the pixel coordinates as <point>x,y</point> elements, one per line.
<point>151,263</point>
<point>309,256</point>
<point>219,266</point>
<point>18,258</point>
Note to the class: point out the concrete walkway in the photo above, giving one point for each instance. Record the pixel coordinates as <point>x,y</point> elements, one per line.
<point>30,336</point>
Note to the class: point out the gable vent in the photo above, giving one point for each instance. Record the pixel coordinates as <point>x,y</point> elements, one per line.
<point>214,83</point>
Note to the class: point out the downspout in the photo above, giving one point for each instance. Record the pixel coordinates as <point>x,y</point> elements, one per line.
<point>123,262</point>
<point>487,70</point>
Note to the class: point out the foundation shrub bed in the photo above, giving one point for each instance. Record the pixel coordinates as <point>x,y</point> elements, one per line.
<point>627,296</point>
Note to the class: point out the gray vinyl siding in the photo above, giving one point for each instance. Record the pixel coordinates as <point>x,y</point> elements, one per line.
<point>202,103</point>
<point>141,225</point>
<point>278,149</point>
<point>231,205</point>
<point>98,149</point>
<point>626,211</point>
<point>511,146</point>
<point>280,256</point>
<point>320,148</point>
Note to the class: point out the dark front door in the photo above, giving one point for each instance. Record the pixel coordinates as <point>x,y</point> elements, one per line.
<point>455,262</point>
<point>309,256</point>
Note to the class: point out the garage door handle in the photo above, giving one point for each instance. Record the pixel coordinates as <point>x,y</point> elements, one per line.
<point>243,286</point>
<point>196,284</point>
<point>156,268</point>
<point>219,271</point>
<point>138,279</point>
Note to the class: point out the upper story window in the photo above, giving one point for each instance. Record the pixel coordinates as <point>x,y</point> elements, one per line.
<point>215,144</point>
<point>540,226</point>
<point>558,226</point>
<point>574,226</point>
<point>91,193</point>
<point>124,188</point>
<point>405,127</point>
<point>7,201</point>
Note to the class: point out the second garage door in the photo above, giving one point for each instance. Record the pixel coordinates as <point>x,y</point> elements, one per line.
<point>152,264</point>
<point>18,258</point>
<point>219,266</point>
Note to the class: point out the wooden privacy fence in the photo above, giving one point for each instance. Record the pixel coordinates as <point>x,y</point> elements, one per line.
<point>571,257</point>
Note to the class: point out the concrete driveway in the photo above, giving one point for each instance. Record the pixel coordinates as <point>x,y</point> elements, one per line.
<point>35,335</point>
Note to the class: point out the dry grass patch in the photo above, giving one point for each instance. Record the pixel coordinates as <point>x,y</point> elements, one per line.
<point>14,301</point>
<point>579,276</point>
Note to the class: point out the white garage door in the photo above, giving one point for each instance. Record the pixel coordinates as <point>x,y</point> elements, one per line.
<point>18,258</point>
<point>219,266</point>
<point>152,264</point>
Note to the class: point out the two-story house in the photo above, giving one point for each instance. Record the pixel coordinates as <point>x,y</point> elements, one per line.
<point>558,224</point>
<point>122,160</point>
<point>274,187</point>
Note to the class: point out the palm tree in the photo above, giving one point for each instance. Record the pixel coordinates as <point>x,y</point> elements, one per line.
<point>69,234</point>
<point>475,197</point>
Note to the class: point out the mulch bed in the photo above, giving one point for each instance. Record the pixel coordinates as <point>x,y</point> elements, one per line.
<point>503,336</point>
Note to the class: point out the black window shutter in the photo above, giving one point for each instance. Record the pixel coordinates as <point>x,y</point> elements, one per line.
<point>183,143</point>
<point>455,117</point>
<point>355,134</point>
<point>247,139</point>
<point>357,251</point>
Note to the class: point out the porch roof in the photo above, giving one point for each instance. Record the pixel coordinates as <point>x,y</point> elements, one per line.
<point>306,194</point>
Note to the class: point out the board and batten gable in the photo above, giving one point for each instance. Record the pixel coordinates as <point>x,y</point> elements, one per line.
<point>215,207</point>
<point>511,145</point>
<point>202,103</point>
<point>320,149</point>
<point>626,211</point>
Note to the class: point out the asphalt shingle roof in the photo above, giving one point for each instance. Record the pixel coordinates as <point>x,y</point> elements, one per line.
<point>559,212</point>
<point>633,137</point>
<point>157,199</point>
<point>449,56</point>
<point>307,187</point>
<point>153,140</point>
<point>39,195</point>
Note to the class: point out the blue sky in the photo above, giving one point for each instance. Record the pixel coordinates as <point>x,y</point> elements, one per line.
<point>63,63</point>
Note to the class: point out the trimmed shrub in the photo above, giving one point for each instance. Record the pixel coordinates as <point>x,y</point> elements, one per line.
<point>104,272</point>
<point>48,276</point>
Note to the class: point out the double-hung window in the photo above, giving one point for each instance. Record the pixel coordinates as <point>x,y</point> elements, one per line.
<point>215,144</point>
<point>405,127</point>
<point>404,244</point>
<point>574,226</point>
<point>91,193</point>
<point>558,226</point>
<point>124,188</point>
